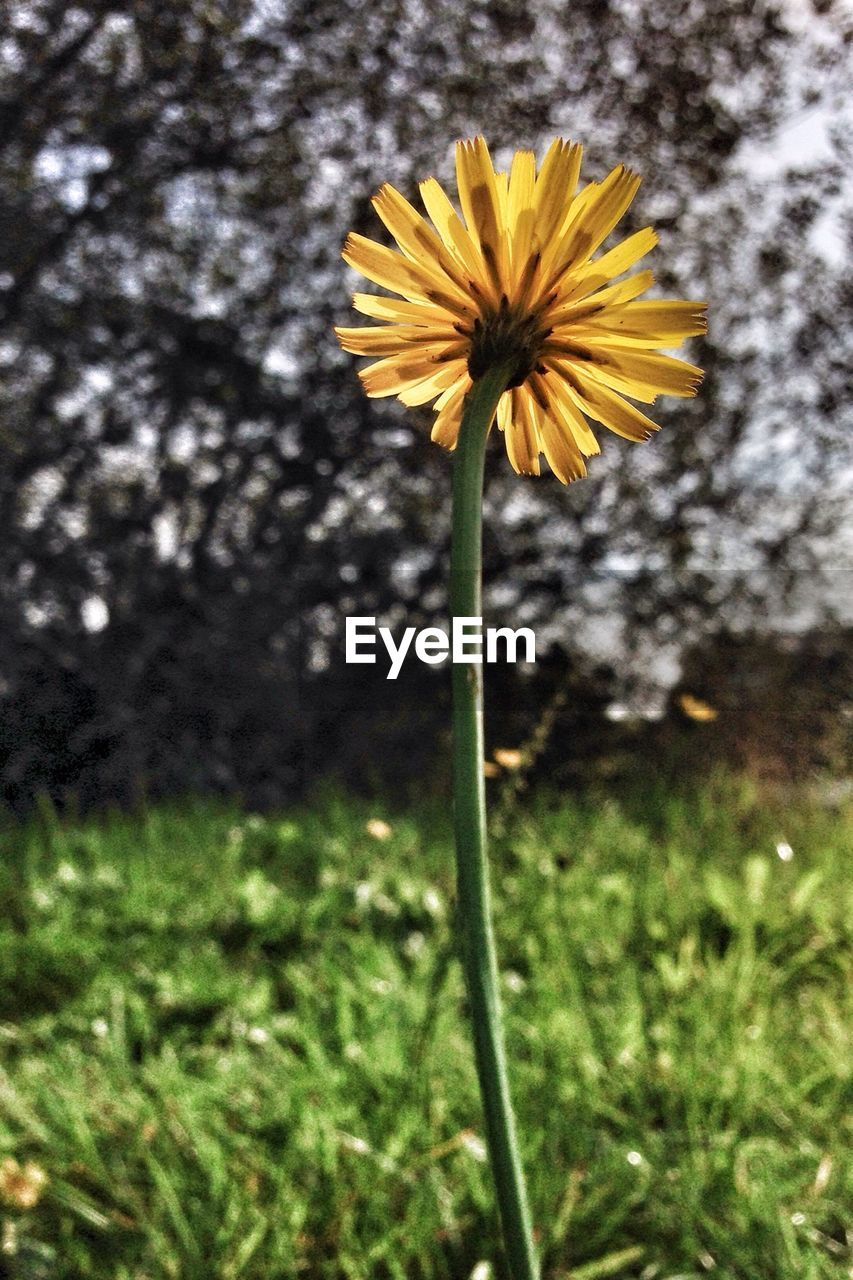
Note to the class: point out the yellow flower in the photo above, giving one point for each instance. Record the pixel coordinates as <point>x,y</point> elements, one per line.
<point>517,280</point>
<point>21,1186</point>
<point>696,709</point>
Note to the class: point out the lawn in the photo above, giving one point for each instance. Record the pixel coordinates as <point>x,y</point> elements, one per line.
<point>235,1046</point>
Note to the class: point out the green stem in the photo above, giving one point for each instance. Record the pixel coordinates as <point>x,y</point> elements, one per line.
<point>469,803</point>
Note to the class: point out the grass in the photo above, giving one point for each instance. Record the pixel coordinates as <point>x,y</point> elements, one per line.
<point>236,1046</point>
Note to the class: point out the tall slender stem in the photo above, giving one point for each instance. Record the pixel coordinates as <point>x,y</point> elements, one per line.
<point>469,803</point>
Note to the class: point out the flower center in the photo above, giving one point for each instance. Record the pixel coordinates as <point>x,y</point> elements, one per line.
<point>504,335</point>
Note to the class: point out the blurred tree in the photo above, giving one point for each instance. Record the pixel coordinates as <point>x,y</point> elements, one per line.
<point>193,491</point>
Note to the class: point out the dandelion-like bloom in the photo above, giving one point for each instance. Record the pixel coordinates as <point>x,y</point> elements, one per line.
<point>517,282</point>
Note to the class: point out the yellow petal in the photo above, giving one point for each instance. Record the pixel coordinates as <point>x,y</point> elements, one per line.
<point>502,188</point>
<point>521,215</point>
<point>555,188</point>
<point>447,375</point>
<point>599,271</point>
<point>412,279</point>
<point>385,340</point>
<point>607,407</point>
<point>522,179</point>
<point>552,249</point>
<point>617,193</point>
<point>464,383</point>
<point>578,302</point>
<point>394,374</point>
<point>445,430</point>
<point>519,427</point>
<point>560,449</point>
<point>656,323</point>
<point>414,235</point>
<point>598,363</point>
<point>648,371</point>
<point>419,313</point>
<point>503,415</point>
<point>450,227</point>
<point>557,443</point>
<point>481,205</point>
<point>560,404</point>
<point>603,377</point>
<point>597,219</point>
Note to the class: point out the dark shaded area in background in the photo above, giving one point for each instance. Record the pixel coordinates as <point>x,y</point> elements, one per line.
<point>193,491</point>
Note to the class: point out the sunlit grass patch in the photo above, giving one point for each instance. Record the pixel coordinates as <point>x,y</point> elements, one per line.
<point>234,1045</point>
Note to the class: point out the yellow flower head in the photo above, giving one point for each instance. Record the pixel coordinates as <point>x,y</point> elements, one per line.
<point>516,279</point>
<point>696,709</point>
<point>21,1186</point>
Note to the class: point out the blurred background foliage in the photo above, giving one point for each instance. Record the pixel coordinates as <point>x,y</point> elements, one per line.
<point>194,492</point>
